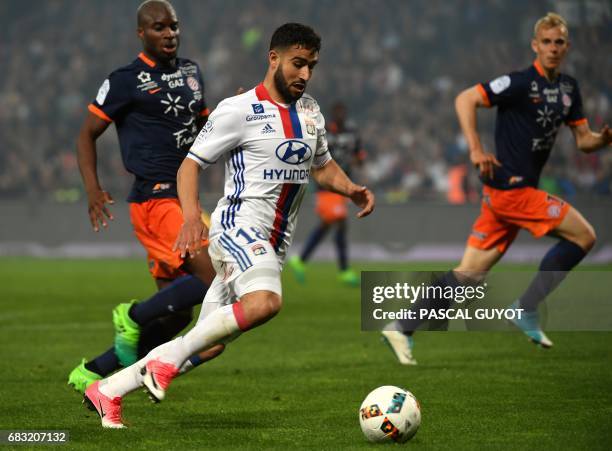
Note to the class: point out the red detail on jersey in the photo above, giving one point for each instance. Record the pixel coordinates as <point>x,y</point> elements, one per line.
<point>98,112</point>
<point>263,94</point>
<point>153,91</point>
<point>577,122</point>
<point>278,216</point>
<point>539,68</point>
<point>148,61</point>
<point>205,112</point>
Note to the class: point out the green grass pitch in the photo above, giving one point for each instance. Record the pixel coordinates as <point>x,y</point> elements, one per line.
<point>298,381</point>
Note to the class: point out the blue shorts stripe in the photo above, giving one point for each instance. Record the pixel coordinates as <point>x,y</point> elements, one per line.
<point>238,249</point>
<point>236,255</point>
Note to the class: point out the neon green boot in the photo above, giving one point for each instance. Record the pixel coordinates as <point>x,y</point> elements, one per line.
<point>80,378</point>
<point>127,334</point>
<point>299,268</point>
<point>349,277</point>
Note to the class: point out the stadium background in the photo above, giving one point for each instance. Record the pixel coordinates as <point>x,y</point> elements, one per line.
<point>298,381</point>
<point>397,64</point>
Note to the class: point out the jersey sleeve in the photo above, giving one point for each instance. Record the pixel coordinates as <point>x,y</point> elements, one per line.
<point>575,116</point>
<point>322,154</point>
<point>503,90</point>
<point>204,111</point>
<point>220,134</point>
<point>112,99</point>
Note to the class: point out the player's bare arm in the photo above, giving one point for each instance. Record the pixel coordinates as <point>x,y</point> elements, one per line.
<point>189,240</point>
<point>97,198</point>
<point>589,141</point>
<point>465,106</point>
<point>332,178</point>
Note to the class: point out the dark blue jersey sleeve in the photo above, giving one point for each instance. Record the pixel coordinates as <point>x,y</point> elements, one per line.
<point>204,110</point>
<point>575,115</point>
<point>504,90</point>
<point>113,98</point>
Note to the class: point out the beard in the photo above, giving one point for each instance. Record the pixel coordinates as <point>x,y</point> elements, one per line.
<point>283,87</point>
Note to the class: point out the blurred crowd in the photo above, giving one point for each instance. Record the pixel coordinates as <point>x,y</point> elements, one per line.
<point>397,65</point>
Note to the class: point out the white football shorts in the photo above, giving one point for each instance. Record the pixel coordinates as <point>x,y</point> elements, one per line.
<point>245,261</point>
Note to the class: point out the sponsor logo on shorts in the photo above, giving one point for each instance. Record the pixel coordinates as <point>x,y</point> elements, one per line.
<point>554,211</point>
<point>478,235</point>
<point>259,249</point>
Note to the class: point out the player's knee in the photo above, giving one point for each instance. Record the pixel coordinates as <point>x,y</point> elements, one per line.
<point>588,238</point>
<point>272,304</point>
<point>470,278</point>
<point>261,306</point>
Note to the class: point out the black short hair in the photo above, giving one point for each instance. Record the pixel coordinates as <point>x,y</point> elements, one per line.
<point>291,34</point>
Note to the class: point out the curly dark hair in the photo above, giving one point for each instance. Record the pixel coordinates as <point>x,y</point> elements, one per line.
<point>291,34</point>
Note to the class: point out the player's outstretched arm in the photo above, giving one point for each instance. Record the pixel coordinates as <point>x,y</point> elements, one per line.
<point>590,141</point>
<point>189,240</point>
<point>332,178</point>
<point>87,156</point>
<point>465,106</point>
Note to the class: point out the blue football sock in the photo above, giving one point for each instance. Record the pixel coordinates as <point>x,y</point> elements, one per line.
<point>154,334</point>
<point>313,241</point>
<point>408,326</point>
<point>163,329</point>
<point>341,246</point>
<point>104,364</point>
<point>181,294</point>
<point>555,265</point>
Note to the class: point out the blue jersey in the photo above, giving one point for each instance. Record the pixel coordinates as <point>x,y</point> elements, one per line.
<point>155,110</point>
<point>344,145</point>
<point>530,111</point>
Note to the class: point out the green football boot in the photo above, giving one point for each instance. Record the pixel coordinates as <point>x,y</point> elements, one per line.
<point>299,268</point>
<point>80,378</point>
<point>349,277</point>
<point>127,334</point>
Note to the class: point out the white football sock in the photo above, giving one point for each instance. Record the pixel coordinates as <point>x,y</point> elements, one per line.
<point>217,326</point>
<point>129,379</point>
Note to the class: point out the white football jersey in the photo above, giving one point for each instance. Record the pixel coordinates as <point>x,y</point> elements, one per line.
<point>268,151</point>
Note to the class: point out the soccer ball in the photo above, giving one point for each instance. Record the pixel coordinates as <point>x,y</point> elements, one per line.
<point>390,413</point>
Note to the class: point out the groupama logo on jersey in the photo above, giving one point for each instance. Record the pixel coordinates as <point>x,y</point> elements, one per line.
<point>293,152</point>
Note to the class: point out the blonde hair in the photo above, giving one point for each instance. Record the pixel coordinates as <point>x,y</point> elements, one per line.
<point>550,20</point>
